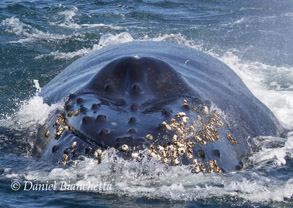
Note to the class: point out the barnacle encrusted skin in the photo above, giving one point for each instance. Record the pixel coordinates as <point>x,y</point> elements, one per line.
<point>187,133</point>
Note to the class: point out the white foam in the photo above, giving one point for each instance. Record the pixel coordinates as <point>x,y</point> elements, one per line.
<point>68,18</point>
<point>288,14</point>
<point>272,151</point>
<point>112,27</point>
<point>68,21</point>
<point>14,26</point>
<point>69,55</point>
<point>172,38</point>
<point>236,22</point>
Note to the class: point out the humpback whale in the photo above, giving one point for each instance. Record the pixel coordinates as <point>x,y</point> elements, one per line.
<point>159,100</point>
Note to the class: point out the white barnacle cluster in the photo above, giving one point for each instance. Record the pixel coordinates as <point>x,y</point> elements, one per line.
<point>60,126</point>
<point>100,155</point>
<point>203,129</point>
<point>188,133</point>
<point>198,166</point>
<point>213,167</point>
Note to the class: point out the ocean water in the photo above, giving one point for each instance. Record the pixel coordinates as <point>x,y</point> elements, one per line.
<point>38,39</point>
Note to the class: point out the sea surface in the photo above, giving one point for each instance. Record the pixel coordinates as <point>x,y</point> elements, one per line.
<point>38,39</point>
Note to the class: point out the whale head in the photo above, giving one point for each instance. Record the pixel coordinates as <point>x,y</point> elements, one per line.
<point>175,104</point>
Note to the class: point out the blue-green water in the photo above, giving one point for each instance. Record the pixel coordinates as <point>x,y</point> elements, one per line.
<point>38,39</point>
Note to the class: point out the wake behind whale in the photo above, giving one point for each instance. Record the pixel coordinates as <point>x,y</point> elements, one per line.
<point>182,106</point>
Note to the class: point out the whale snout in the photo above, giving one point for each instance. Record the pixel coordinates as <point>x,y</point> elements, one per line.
<point>126,100</point>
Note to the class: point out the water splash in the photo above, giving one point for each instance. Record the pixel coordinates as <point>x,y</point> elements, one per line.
<point>31,113</point>
<point>68,18</point>
<point>155,180</point>
<point>105,40</point>
<point>261,80</point>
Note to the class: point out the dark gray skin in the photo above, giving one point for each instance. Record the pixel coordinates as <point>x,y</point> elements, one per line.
<point>126,91</point>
